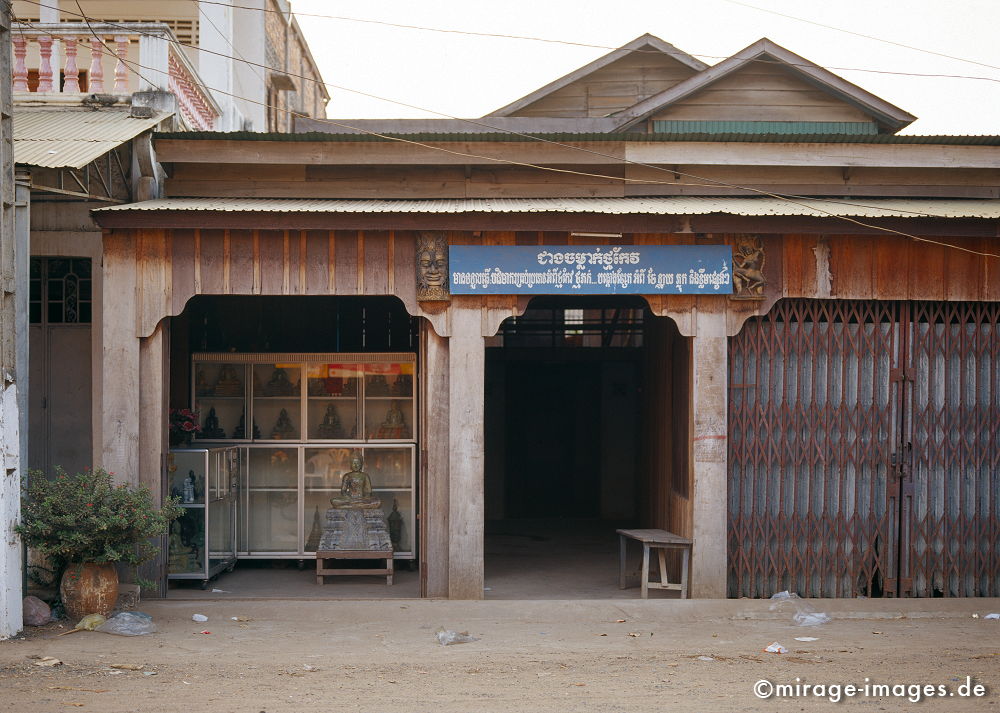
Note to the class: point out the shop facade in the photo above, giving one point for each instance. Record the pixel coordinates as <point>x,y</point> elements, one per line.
<point>821,425</point>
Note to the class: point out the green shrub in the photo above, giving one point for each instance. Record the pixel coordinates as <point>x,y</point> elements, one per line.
<point>87,518</point>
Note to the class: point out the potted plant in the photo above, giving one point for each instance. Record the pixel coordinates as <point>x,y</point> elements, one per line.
<point>85,524</point>
<point>184,425</point>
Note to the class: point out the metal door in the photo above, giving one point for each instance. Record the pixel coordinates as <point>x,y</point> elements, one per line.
<point>864,450</point>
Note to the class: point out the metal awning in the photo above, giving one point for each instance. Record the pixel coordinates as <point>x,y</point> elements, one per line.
<point>678,206</point>
<point>72,137</point>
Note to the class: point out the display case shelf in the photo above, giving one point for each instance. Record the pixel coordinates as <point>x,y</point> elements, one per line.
<point>324,407</point>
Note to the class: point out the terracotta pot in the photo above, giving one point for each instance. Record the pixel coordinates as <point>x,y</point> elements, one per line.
<point>89,588</point>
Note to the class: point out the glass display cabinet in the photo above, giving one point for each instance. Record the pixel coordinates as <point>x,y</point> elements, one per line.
<point>202,540</point>
<point>299,420</point>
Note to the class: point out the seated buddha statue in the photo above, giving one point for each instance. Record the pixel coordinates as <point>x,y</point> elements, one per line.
<point>283,429</point>
<point>228,383</point>
<point>394,425</point>
<point>355,490</point>
<point>330,426</point>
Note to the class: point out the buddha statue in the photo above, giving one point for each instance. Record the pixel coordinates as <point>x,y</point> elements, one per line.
<point>355,490</point>
<point>182,557</point>
<point>201,387</point>
<point>241,429</point>
<point>395,521</point>
<point>377,386</point>
<point>211,429</point>
<point>283,429</point>
<point>403,385</point>
<point>394,426</point>
<point>229,382</point>
<point>279,384</point>
<point>330,427</point>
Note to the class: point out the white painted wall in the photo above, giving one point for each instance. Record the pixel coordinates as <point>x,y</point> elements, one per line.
<point>10,512</point>
<point>249,81</point>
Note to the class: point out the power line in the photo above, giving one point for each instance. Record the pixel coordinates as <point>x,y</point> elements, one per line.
<point>789,198</point>
<point>861,34</point>
<point>562,42</point>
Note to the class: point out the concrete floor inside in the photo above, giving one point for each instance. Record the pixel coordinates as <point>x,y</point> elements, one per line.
<point>525,559</point>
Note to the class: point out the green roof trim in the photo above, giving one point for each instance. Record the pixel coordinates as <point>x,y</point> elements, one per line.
<point>785,128</point>
<point>993,140</point>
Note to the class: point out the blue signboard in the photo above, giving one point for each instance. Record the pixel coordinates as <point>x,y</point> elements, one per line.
<point>591,270</point>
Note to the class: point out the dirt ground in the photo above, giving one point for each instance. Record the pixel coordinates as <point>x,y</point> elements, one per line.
<point>600,656</point>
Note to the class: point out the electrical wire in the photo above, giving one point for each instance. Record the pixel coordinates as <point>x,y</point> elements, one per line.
<point>759,60</point>
<point>789,198</point>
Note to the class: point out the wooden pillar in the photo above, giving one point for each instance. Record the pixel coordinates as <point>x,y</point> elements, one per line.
<point>466,369</point>
<point>119,392</point>
<point>710,450</point>
<point>154,367</point>
<point>435,445</point>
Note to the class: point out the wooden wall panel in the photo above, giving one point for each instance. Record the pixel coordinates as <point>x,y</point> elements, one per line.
<point>346,245</point>
<point>891,256</point>
<point>272,262</point>
<point>182,280</point>
<point>404,247</point>
<point>241,270</point>
<point>376,273</point>
<point>317,262</point>
<point>212,262</point>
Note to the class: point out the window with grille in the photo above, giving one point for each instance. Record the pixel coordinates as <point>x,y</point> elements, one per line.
<point>61,290</point>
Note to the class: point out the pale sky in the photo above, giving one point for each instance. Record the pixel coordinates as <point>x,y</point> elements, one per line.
<point>467,76</point>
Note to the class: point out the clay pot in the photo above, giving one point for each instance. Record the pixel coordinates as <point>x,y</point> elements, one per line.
<point>89,588</point>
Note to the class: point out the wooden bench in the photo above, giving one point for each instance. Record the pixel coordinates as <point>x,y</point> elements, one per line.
<point>323,571</point>
<point>661,541</point>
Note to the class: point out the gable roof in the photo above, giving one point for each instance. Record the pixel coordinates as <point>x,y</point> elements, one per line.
<point>638,44</point>
<point>892,117</point>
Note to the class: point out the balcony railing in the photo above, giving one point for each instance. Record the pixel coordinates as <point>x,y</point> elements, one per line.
<point>116,59</point>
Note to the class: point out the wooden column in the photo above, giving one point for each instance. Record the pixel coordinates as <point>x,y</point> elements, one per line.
<point>119,392</point>
<point>466,369</point>
<point>710,450</point>
<point>154,369</point>
<point>435,462</point>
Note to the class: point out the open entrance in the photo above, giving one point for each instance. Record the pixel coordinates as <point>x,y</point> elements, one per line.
<point>586,432</point>
<point>289,394</point>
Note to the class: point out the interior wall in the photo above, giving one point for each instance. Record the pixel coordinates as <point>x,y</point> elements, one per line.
<point>665,480</point>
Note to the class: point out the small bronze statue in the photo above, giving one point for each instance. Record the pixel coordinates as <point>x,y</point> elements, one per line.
<point>241,429</point>
<point>394,425</point>
<point>211,429</point>
<point>377,386</point>
<point>330,427</point>
<point>279,384</point>
<point>228,383</point>
<point>403,385</point>
<point>395,526</point>
<point>283,429</point>
<point>355,490</point>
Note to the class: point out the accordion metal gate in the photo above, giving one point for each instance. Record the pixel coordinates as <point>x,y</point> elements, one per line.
<point>865,450</point>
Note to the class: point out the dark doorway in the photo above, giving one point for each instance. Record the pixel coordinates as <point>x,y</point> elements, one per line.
<point>584,414</point>
<point>554,417</point>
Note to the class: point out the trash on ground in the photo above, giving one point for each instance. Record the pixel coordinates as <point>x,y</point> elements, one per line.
<point>619,621</point>
<point>149,673</point>
<point>241,618</point>
<point>775,648</point>
<point>805,614</point>
<point>220,591</point>
<point>806,638</point>
<point>447,637</point>
<point>129,623</point>
<point>633,634</point>
<point>35,612</point>
<point>307,667</point>
<point>48,661</point>
<point>128,666</point>
<point>992,616</point>
<point>199,617</point>
<point>87,623</point>
<point>205,632</point>
<point>705,658</point>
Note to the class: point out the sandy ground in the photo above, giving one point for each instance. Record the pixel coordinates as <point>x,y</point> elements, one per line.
<point>292,656</point>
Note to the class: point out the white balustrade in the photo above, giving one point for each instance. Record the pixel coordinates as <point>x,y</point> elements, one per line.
<point>139,56</point>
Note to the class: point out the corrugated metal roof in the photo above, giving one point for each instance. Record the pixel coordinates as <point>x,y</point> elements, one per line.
<point>862,208</point>
<point>785,128</point>
<point>61,137</point>
<point>992,140</point>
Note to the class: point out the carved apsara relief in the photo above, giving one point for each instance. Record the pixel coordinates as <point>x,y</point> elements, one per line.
<point>748,268</point>
<point>432,267</point>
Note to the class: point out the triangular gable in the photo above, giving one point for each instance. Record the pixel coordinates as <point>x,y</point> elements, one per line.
<point>885,114</point>
<point>683,64</point>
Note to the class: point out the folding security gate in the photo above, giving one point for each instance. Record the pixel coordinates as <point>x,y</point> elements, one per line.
<point>865,450</point>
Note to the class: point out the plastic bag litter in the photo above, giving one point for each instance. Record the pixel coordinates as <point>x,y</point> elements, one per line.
<point>90,622</point>
<point>992,616</point>
<point>447,637</point>
<point>129,623</point>
<point>775,648</point>
<point>805,614</point>
<point>199,617</point>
